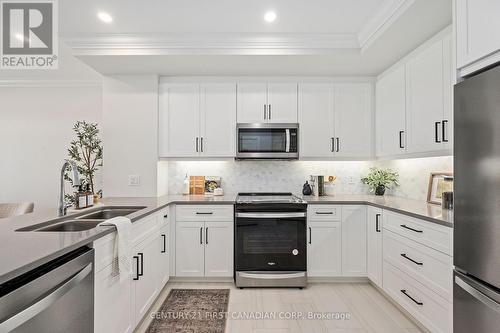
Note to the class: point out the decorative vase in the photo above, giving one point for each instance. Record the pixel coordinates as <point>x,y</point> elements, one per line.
<point>380,190</point>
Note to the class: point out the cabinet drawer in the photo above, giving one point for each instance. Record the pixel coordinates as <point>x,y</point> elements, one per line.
<point>197,213</point>
<point>144,228</point>
<point>432,311</point>
<point>431,267</point>
<point>433,235</point>
<point>324,212</point>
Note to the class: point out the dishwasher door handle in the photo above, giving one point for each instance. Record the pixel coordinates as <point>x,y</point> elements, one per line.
<point>33,310</point>
<point>270,215</point>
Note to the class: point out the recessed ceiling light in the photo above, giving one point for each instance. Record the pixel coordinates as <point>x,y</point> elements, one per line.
<point>270,16</point>
<point>105,17</point>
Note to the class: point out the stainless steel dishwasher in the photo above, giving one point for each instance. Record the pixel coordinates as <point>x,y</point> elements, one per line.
<point>55,297</point>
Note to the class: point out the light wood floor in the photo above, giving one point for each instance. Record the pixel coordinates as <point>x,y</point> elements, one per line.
<point>369,310</point>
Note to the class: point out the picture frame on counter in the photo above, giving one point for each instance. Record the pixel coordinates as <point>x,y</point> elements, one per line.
<point>437,186</point>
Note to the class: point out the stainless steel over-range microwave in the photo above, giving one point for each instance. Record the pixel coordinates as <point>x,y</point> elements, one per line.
<point>267,141</point>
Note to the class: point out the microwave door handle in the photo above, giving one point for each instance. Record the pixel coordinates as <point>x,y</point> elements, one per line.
<point>287,143</point>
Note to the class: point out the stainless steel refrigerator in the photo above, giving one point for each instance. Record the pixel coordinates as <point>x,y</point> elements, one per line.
<point>476,288</point>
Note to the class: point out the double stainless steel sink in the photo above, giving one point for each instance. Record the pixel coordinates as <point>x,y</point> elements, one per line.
<point>83,221</point>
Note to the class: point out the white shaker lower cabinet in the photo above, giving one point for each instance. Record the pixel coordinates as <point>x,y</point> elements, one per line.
<point>417,269</point>
<point>324,249</point>
<point>354,240</point>
<point>189,249</point>
<point>219,249</point>
<point>145,276</point>
<point>204,241</point>
<point>112,299</point>
<point>121,304</point>
<point>324,241</point>
<point>374,245</point>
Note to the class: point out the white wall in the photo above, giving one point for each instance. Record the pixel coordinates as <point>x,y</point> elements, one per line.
<point>37,111</point>
<point>130,121</point>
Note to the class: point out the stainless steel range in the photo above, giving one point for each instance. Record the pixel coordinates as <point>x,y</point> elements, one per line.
<point>270,240</point>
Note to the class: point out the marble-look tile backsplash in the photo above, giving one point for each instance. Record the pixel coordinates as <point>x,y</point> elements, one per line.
<point>289,176</point>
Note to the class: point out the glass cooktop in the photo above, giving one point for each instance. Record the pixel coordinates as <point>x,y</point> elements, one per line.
<point>270,197</point>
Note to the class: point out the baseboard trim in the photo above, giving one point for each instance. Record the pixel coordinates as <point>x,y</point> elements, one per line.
<point>184,279</point>
<point>338,279</point>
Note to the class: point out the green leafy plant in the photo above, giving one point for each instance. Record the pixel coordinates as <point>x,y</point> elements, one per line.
<point>86,152</point>
<point>380,177</point>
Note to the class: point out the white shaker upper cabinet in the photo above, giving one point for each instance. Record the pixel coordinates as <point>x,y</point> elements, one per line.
<point>477,37</point>
<point>391,113</point>
<point>316,120</point>
<point>282,103</point>
<point>179,120</point>
<point>353,120</point>
<point>267,103</point>
<point>218,120</point>
<point>424,101</point>
<point>252,103</point>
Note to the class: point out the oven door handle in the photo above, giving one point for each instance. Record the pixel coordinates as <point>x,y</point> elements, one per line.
<point>270,276</point>
<point>270,215</point>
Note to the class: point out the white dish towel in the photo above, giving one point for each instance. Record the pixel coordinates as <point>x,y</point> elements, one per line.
<point>122,254</point>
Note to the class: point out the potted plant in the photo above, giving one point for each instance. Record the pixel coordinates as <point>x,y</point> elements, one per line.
<point>380,179</point>
<point>86,151</point>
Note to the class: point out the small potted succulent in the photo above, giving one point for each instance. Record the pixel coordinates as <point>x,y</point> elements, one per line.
<point>380,179</point>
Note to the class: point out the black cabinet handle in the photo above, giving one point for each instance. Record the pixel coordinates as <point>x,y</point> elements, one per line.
<point>141,256</point>
<point>201,144</point>
<point>265,112</point>
<point>401,139</point>
<point>206,235</point>
<point>443,130</point>
<point>409,228</point>
<point>164,243</point>
<point>338,145</point>
<point>136,268</point>
<point>410,259</point>
<point>165,216</point>
<point>204,213</point>
<point>197,144</point>
<point>436,131</point>
<point>377,223</point>
<point>269,112</point>
<point>414,300</point>
<point>201,235</point>
<point>310,235</point>
<point>324,213</point>
<point>332,145</point>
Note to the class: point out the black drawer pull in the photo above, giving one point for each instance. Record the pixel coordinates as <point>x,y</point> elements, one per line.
<point>377,223</point>
<point>136,269</point>
<point>141,255</point>
<point>204,213</point>
<point>164,243</point>
<point>310,235</point>
<point>414,300</point>
<point>324,213</point>
<point>410,259</point>
<point>409,228</point>
<point>165,216</point>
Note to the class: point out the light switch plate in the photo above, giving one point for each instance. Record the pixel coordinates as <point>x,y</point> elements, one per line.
<point>134,180</point>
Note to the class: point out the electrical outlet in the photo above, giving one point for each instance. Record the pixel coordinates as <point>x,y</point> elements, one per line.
<point>350,180</point>
<point>134,180</point>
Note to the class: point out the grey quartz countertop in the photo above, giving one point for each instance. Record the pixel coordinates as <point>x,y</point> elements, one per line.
<point>25,250</point>
<point>415,208</point>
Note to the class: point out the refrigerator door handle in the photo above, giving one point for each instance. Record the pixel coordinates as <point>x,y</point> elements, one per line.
<point>477,294</point>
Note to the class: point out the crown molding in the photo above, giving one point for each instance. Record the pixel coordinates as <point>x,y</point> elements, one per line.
<point>23,83</point>
<point>381,20</point>
<point>238,44</point>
